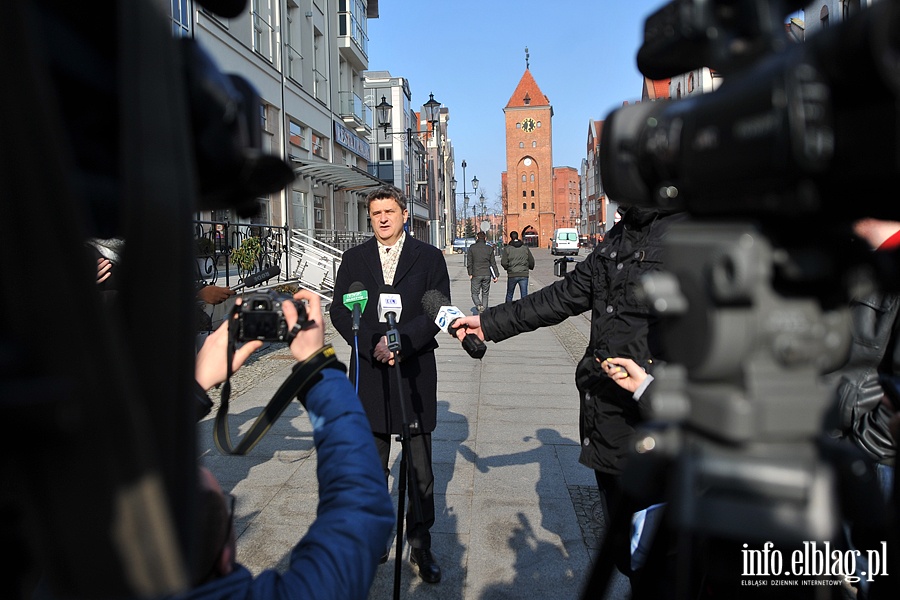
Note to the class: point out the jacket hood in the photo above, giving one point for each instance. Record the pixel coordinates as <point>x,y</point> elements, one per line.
<point>516,243</point>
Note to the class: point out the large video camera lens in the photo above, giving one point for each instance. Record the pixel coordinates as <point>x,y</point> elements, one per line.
<point>261,317</point>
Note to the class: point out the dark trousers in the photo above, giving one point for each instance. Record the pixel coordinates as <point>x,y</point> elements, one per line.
<point>512,283</point>
<point>418,533</point>
<point>480,286</point>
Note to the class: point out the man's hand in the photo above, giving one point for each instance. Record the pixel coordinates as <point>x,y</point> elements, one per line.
<point>311,338</point>
<point>104,269</point>
<point>382,353</point>
<point>214,294</point>
<point>210,367</point>
<point>468,325</point>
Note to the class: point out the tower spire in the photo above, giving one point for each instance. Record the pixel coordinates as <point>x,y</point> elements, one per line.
<point>526,57</point>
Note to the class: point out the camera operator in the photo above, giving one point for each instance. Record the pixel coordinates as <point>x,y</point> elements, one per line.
<point>338,556</point>
<point>622,324</point>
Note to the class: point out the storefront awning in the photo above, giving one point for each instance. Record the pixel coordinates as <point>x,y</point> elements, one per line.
<point>342,177</point>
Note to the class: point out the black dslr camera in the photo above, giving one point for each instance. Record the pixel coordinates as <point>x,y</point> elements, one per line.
<point>260,317</point>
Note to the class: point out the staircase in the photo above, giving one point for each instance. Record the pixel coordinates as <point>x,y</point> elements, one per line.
<point>314,265</point>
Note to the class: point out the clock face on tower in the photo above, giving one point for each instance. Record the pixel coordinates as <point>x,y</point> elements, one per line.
<point>528,125</point>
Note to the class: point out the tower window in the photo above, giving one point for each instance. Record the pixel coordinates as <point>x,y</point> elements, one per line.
<point>524,204</point>
<point>532,206</point>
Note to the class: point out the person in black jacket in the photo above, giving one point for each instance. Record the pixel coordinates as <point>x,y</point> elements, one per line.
<point>622,325</point>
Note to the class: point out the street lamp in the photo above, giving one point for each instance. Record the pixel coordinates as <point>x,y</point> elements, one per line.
<point>475,189</point>
<point>482,205</point>
<point>432,115</point>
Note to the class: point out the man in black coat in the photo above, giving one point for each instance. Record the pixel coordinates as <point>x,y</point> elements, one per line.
<point>394,258</point>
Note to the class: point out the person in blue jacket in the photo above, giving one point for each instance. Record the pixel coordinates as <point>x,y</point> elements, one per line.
<point>339,554</point>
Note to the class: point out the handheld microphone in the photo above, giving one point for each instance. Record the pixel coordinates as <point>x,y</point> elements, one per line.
<point>259,277</point>
<point>437,307</point>
<point>389,308</point>
<point>356,300</point>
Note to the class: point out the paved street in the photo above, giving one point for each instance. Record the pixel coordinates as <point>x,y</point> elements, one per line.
<point>514,506</point>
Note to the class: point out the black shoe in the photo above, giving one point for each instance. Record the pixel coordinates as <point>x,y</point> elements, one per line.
<point>429,570</point>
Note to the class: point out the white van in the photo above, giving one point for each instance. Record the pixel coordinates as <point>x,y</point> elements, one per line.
<point>565,241</point>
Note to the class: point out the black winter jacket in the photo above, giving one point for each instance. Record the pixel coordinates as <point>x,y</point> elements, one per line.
<point>606,283</point>
<point>874,350</point>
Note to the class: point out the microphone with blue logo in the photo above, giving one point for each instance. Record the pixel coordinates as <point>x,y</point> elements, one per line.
<point>437,306</point>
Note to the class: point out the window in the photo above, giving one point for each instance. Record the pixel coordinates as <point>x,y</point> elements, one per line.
<point>823,17</point>
<point>386,153</point>
<point>294,68</point>
<point>521,144</point>
<point>299,207</point>
<point>262,15</point>
<point>319,212</point>
<point>523,178</point>
<point>297,135</point>
<point>690,83</point>
<point>532,178</point>
<point>318,146</point>
<point>532,193</point>
<point>181,18</point>
<point>524,194</point>
<point>524,204</point>
<point>534,144</point>
<point>532,206</point>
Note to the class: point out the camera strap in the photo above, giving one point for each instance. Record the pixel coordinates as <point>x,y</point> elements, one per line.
<point>303,377</point>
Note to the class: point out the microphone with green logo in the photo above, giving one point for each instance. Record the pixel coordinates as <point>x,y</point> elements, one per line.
<point>355,300</point>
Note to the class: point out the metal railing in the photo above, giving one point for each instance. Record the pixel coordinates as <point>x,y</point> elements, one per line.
<point>216,239</point>
<point>307,257</point>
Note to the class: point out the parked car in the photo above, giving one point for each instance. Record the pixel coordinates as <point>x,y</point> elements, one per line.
<point>461,244</point>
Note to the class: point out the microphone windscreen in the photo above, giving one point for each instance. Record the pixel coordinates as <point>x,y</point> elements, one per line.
<point>356,286</point>
<point>432,301</point>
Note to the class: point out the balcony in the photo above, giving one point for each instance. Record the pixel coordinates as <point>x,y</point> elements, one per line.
<point>354,112</point>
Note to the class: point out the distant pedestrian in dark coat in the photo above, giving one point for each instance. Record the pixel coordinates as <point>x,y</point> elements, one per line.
<point>518,260</point>
<point>482,268</point>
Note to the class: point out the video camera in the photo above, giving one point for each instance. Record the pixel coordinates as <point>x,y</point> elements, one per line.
<point>799,141</point>
<point>806,130</point>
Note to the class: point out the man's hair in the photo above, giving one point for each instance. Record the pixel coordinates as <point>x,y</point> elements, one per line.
<point>480,235</point>
<point>386,192</point>
<point>513,235</point>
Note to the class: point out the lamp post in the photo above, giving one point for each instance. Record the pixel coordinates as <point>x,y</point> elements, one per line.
<point>465,199</point>
<point>481,199</point>
<point>432,115</point>
<point>474,189</point>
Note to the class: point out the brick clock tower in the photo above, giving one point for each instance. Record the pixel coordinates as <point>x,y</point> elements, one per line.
<point>528,181</point>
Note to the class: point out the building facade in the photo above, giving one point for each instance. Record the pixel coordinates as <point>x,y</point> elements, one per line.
<point>305,59</point>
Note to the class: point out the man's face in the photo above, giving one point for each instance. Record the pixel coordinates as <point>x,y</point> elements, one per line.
<point>387,220</point>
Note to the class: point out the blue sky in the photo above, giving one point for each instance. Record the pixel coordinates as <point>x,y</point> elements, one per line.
<point>470,54</point>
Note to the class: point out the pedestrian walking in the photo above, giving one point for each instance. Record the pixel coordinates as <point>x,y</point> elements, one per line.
<point>482,268</point>
<point>517,260</point>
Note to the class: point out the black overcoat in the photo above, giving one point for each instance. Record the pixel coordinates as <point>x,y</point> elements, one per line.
<point>421,268</point>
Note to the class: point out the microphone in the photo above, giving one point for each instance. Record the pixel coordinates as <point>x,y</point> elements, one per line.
<point>389,308</point>
<point>389,305</point>
<point>356,300</point>
<point>258,277</point>
<point>437,307</point>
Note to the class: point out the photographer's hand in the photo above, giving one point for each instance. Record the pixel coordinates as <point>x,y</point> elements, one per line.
<point>311,338</point>
<point>210,367</point>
